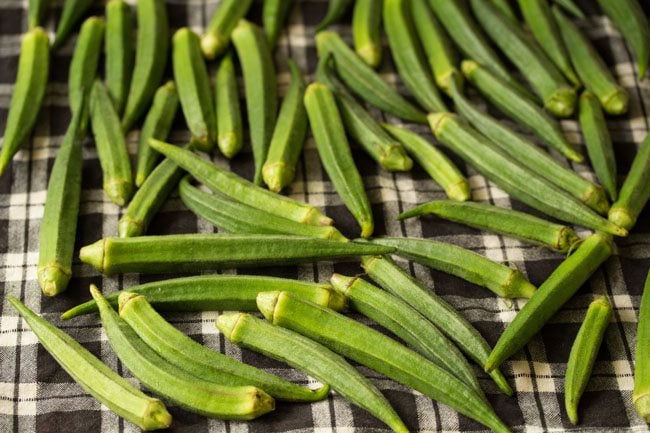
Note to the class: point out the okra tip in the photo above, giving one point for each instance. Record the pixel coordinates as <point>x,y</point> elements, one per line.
<point>229,323</point>
<point>277,175</point>
<point>562,103</point>
<point>501,382</point>
<point>367,228</point>
<point>53,279</point>
<point>467,67</point>
<point>370,54</point>
<point>266,302</point>
<point>616,103</point>
<point>156,416</point>
<point>118,190</point>
<point>129,228</point>
<point>642,404</point>
<point>459,191</point>
<point>212,44</point>
<point>229,144</point>
<point>93,255</point>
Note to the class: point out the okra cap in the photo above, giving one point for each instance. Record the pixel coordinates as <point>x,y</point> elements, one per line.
<point>53,278</point>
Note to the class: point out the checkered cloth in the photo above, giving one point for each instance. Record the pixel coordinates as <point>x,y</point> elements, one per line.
<point>37,395</point>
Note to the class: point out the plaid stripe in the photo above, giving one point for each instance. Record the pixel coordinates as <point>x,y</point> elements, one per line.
<point>36,395</point>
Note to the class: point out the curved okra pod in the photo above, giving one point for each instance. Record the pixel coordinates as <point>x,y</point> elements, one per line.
<point>583,354</point>
<point>571,7</point>
<point>260,87</point>
<point>591,68</point>
<point>73,11</point>
<point>119,51</point>
<point>217,37</point>
<point>237,188</point>
<point>230,137</point>
<point>366,31</point>
<point>288,136</point>
<point>200,361</point>
<point>408,56</point>
<point>239,218</point>
<point>36,13</point>
<point>94,376</point>
<point>28,93</point>
<point>360,343</point>
<point>385,272</point>
<point>111,146</point>
<point>363,80</point>
<point>83,66</point>
<point>460,262</point>
<point>641,394</point>
<point>336,157</point>
<point>567,278</point>
<point>335,11</point>
<point>635,191</point>
<point>507,222</point>
<point>173,383</point>
<point>274,15</point>
<point>317,360</point>
<point>151,52</point>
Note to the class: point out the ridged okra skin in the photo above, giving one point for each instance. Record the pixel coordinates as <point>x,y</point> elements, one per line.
<point>85,59</point>
<point>335,11</point>
<point>274,15</point>
<point>120,52</point>
<point>230,128</point>
<point>366,31</point>
<point>641,394</point>
<point>223,22</point>
<point>73,11</point>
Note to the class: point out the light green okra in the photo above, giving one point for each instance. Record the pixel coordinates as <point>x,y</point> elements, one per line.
<point>335,11</point>
<point>641,394</point>
<point>120,51</point>
<point>73,11</point>
<point>274,15</point>
<point>230,139</point>
<point>217,37</point>
<point>36,13</point>
<point>366,31</point>
<point>83,67</point>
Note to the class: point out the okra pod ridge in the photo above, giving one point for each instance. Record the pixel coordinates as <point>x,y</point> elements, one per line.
<point>641,393</point>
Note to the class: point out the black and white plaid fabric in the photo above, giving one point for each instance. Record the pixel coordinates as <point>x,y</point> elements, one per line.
<point>37,396</point>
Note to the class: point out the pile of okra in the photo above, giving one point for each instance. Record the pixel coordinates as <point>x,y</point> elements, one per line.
<point>529,59</point>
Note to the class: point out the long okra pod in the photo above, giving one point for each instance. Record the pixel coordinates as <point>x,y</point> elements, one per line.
<point>119,51</point>
<point>641,394</point>
<point>36,13</point>
<point>336,157</point>
<point>506,9</point>
<point>28,93</point>
<point>217,37</point>
<point>583,354</point>
<point>237,188</point>
<point>274,15</point>
<point>175,384</point>
<point>94,376</point>
<point>200,361</point>
<point>571,7</point>
<point>317,360</point>
<point>73,11</point>
<point>366,31</point>
<point>360,343</point>
<point>83,66</point>
<point>508,222</point>
<point>230,137</point>
<point>335,11</point>
<point>560,286</point>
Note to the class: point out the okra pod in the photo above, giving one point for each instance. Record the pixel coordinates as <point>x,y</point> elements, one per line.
<point>108,387</point>
<point>200,361</point>
<point>260,87</point>
<point>571,7</point>
<point>363,80</point>
<point>506,9</point>
<point>288,135</point>
<point>641,394</point>
<point>591,68</point>
<point>274,15</point>
<point>217,37</point>
<point>73,11</point>
<point>336,157</point>
<point>583,354</point>
<point>28,93</point>
<point>366,346</point>
<point>598,142</point>
<point>195,252</point>
<point>366,31</point>
<point>174,384</point>
<point>317,360</point>
<point>335,11</point>
<point>119,52</point>
<point>635,191</point>
<point>36,13</point>
<point>83,66</point>
<point>230,137</point>
<point>237,188</point>
<point>462,263</point>
<point>111,146</point>
<point>151,52</point>
<point>558,288</point>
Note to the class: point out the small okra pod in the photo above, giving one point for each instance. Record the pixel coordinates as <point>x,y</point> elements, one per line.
<point>217,37</point>
<point>120,51</point>
<point>520,109</point>
<point>173,383</point>
<point>28,93</point>
<point>408,56</point>
<point>108,387</point>
<point>237,188</point>
<point>583,354</point>
<point>363,80</point>
<point>73,11</point>
<point>274,15</point>
<point>230,137</point>
<point>288,136</point>
<point>111,146</point>
<point>239,218</point>
<point>591,68</point>
<point>635,191</point>
<point>434,162</point>
<point>385,272</point>
<point>558,288</point>
<point>366,31</point>
<point>571,7</point>
<point>83,66</point>
<point>336,157</point>
<point>36,13</point>
<point>641,394</point>
<point>305,354</point>
<point>598,142</point>
<point>462,263</point>
<point>375,350</point>
<point>335,11</point>
<point>151,52</point>
<point>200,361</point>
<point>260,87</point>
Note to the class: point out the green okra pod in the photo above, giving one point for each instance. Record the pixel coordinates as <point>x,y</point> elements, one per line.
<point>335,11</point>
<point>460,262</point>
<point>317,360</point>
<point>200,361</point>
<point>73,11</point>
<point>120,51</point>
<point>36,13</point>
<point>174,384</point>
<point>260,87</point>
<point>217,37</point>
<point>571,7</point>
<point>506,10</point>
<point>83,66</point>
<point>336,157</point>
<point>288,136</point>
<point>274,15</point>
<point>560,286</point>
<point>366,346</point>
<point>230,139</point>
<point>366,31</point>
<point>94,376</point>
<point>237,188</point>
<point>641,394</point>
<point>583,354</point>
<point>591,68</point>
<point>28,93</point>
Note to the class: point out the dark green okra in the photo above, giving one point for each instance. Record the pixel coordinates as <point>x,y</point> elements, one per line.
<point>83,67</point>
<point>335,11</point>
<point>641,394</point>
<point>274,15</point>
<point>560,286</point>
<point>506,10</point>
<point>36,13</point>
<point>571,7</point>
<point>73,11</point>
<point>227,16</point>
<point>366,31</point>
<point>120,51</point>
<point>230,137</point>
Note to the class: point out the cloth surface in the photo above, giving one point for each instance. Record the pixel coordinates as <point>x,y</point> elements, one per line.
<point>36,395</point>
